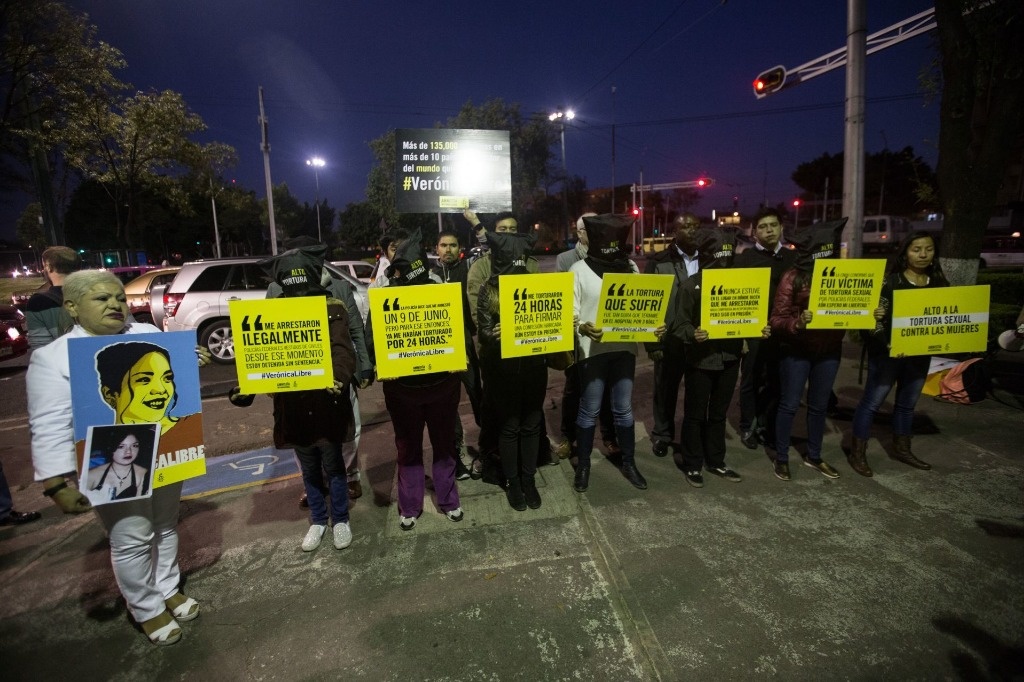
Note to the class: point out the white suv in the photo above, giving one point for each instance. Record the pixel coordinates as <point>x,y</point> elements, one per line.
<point>199,295</point>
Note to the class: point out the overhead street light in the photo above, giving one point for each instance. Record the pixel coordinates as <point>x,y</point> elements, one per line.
<point>317,163</point>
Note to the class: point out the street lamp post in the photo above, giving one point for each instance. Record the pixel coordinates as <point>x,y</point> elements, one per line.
<point>563,116</point>
<point>317,163</point>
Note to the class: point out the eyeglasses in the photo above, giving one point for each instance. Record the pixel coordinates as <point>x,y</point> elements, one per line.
<point>689,226</point>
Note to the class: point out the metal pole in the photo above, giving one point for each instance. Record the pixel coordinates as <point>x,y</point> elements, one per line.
<point>565,189</point>
<point>613,149</point>
<point>216,230</point>
<point>265,146</point>
<point>316,178</point>
<point>853,148</point>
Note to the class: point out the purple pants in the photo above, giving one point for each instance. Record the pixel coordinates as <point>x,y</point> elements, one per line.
<point>411,408</point>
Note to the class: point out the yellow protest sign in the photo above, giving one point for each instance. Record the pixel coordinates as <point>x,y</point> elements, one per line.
<point>734,303</point>
<point>536,314</point>
<point>418,329</point>
<point>947,320</point>
<point>281,344</point>
<point>845,293</point>
<point>632,306</point>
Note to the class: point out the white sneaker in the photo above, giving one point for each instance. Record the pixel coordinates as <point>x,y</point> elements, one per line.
<point>406,522</point>
<point>342,535</point>
<point>313,537</point>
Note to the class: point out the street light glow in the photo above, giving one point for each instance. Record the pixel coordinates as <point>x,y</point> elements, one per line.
<point>316,161</point>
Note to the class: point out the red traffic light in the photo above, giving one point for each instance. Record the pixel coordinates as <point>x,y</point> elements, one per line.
<point>705,182</point>
<point>796,202</point>
<point>770,81</point>
<point>636,211</point>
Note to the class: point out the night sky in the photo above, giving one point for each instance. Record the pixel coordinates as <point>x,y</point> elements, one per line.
<point>338,74</point>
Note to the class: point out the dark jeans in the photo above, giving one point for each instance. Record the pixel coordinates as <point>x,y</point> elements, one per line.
<point>314,461</point>
<point>411,409</point>
<point>571,407</point>
<point>668,374</point>
<point>818,374</point>
<point>705,404</point>
<point>6,503</point>
<point>614,371</point>
<point>520,416</point>
<point>907,375</point>
<point>759,385</point>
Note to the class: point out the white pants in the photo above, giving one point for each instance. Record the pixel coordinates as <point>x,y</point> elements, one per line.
<point>144,549</point>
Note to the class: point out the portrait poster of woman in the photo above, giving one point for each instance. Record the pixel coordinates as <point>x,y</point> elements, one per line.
<point>142,379</point>
<point>117,463</point>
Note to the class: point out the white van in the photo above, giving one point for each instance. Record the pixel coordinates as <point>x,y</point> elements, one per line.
<point>883,233</point>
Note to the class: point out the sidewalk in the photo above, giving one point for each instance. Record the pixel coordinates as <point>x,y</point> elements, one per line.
<point>907,575</point>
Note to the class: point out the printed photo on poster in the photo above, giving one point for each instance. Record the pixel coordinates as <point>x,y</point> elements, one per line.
<point>142,379</point>
<point>117,462</point>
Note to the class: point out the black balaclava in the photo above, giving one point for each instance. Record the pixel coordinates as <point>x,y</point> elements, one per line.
<point>298,270</point>
<point>410,262</point>
<point>508,253</point>
<point>715,246</point>
<point>606,234</point>
<point>817,241</point>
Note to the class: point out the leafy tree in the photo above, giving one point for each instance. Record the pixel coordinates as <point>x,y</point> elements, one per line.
<point>982,67</point>
<point>29,230</point>
<point>896,181</point>
<point>133,145</point>
<point>50,62</point>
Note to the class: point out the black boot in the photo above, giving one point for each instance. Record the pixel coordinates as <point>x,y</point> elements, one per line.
<point>514,494</point>
<point>584,445</point>
<point>529,485</point>
<point>626,436</point>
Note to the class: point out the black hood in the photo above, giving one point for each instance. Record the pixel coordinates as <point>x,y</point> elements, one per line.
<point>606,236</point>
<point>410,262</point>
<point>715,246</point>
<point>814,242</point>
<point>509,251</point>
<point>298,271</point>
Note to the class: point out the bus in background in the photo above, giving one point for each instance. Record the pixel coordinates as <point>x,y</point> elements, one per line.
<point>653,245</point>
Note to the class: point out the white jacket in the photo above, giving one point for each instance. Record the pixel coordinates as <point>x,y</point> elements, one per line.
<point>49,403</point>
<point>586,295</point>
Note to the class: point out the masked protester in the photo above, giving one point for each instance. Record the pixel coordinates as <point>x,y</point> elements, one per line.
<point>712,367</point>
<point>424,400</point>
<point>603,363</point>
<point>809,357</point>
<point>315,423</point>
<point>523,380</point>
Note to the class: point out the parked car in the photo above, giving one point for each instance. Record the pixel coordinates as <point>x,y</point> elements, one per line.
<point>12,317</point>
<point>138,291</point>
<point>13,343</point>
<point>359,269</point>
<point>19,299</point>
<point>198,299</point>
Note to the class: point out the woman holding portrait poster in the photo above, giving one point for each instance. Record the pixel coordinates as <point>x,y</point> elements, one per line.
<point>143,532</point>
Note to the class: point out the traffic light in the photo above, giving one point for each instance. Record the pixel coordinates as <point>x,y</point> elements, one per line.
<point>705,182</point>
<point>636,211</point>
<point>796,203</point>
<point>770,81</point>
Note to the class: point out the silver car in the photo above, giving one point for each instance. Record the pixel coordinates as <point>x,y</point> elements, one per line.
<point>199,295</point>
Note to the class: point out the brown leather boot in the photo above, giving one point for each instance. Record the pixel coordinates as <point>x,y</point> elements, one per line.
<point>858,457</point>
<point>903,453</point>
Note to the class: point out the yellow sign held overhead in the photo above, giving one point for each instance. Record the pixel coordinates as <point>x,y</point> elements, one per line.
<point>734,303</point>
<point>418,329</point>
<point>281,344</point>
<point>947,320</point>
<point>632,306</point>
<point>536,314</point>
<point>845,293</point>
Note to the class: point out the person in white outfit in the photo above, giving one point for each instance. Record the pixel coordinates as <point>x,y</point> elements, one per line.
<point>143,533</point>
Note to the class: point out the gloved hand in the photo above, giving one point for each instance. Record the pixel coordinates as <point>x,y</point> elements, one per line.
<point>69,499</point>
<point>239,399</point>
